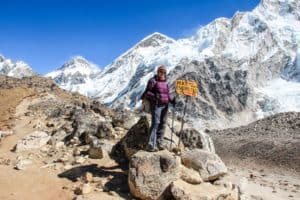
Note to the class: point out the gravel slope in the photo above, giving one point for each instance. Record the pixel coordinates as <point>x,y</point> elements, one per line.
<point>273,141</point>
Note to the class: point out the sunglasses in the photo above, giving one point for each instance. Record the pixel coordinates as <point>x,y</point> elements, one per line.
<point>162,72</point>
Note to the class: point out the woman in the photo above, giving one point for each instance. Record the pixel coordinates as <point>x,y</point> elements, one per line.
<point>158,93</point>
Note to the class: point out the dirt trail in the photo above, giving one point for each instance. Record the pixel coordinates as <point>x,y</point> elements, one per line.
<point>9,100</point>
<point>37,181</point>
<point>34,182</point>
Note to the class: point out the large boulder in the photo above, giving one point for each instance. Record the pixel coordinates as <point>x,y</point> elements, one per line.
<point>190,175</point>
<point>183,191</point>
<point>100,148</point>
<point>85,123</point>
<point>194,139</point>
<point>208,164</point>
<point>136,139</point>
<point>34,140</point>
<point>150,174</point>
<point>125,120</point>
<point>102,110</point>
<point>105,130</point>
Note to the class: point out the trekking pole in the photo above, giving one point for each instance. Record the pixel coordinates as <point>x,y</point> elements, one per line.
<point>182,121</point>
<point>173,117</point>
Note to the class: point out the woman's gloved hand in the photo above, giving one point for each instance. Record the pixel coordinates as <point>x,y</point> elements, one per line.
<point>173,101</point>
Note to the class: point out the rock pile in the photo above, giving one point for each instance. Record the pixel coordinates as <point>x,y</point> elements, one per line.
<point>163,175</point>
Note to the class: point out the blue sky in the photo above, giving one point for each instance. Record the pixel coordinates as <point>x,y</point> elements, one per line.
<point>46,33</point>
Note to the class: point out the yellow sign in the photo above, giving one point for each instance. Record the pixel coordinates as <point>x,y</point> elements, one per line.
<point>185,87</point>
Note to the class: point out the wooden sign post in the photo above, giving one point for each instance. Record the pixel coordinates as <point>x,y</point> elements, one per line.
<point>189,89</point>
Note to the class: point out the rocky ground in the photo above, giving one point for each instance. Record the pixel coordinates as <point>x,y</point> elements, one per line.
<point>58,145</point>
<point>266,152</point>
<point>273,141</point>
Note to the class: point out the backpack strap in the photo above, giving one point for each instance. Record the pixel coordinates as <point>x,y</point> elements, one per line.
<point>150,88</point>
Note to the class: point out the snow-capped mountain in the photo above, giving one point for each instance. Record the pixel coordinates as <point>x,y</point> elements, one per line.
<point>235,62</point>
<point>76,75</point>
<point>130,71</point>
<point>17,69</point>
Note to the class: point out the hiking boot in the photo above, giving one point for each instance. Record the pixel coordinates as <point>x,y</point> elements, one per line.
<point>151,149</point>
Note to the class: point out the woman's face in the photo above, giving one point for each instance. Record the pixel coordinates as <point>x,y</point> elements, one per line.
<point>162,75</point>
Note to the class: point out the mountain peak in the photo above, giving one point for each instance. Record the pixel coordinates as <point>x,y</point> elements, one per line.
<point>282,7</point>
<point>155,39</point>
<point>18,69</point>
<point>77,71</point>
<point>78,58</point>
<point>73,60</point>
<point>2,58</point>
<point>79,62</point>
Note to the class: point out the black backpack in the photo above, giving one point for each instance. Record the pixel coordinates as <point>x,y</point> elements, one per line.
<point>145,101</point>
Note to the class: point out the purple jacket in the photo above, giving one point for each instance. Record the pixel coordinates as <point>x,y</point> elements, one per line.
<point>158,91</point>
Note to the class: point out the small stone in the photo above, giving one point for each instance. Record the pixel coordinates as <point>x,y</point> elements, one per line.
<point>5,133</point>
<point>4,161</point>
<point>63,159</point>
<point>105,188</point>
<point>243,184</point>
<point>50,125</point>
<point>97,179</point>
<point>74,141</point>
<point>255,197</point>
<point>96,152</point>
<point>225,184</point>
<point>21,164</point>
<point>57,166</point>
<point>119,129</point>
<point>110,177</point>
<point>76,152</point>
<point>65,187</point>
<point>296,185</point>
<point>44,149</point>
<point>88,177</point>
<point>79,197</point>
<point>59,144</point>
<point>112,193</point>
<point>78,191</point>
<point>86,188</point>
<point>80,160</point>
<point>67,167</point>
